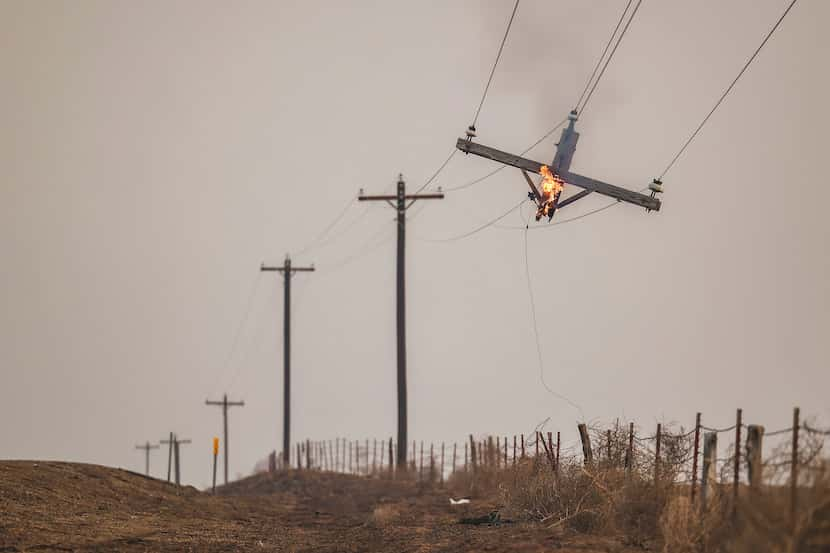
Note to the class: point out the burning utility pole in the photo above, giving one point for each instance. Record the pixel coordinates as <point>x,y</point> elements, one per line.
<point>558,174</point>
<point>401,205</point>
<point>287,271</point>
<point>147,447</point>
<point>225,404</point>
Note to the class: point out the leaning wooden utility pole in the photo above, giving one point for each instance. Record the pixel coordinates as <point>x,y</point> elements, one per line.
<point>287,271</point>
<point>147,447</point>
<point>225,404</point>
<point>403,201</point>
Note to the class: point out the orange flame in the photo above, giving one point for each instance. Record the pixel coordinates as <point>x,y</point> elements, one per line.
<point>552,185</point>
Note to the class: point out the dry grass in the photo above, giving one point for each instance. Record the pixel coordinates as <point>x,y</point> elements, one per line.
<point>605,498</point>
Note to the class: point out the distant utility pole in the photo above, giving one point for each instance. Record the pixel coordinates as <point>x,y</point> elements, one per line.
<point>174,442</point>
<point>287,271</point>
<point>147,447</point>
<point>225,404</point>
<point>401,205</point>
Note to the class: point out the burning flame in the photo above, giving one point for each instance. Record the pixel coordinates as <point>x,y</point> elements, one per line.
<point>552,185</point>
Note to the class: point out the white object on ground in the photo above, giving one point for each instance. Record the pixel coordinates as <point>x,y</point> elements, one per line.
<point>462,501</point>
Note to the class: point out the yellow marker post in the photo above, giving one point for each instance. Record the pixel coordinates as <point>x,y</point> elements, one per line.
<point>215,456</point>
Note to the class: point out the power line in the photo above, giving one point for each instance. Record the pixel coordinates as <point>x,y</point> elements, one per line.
<point>611,55</point>
<point>728,89</point>
<point>602,57</point>
<point>500,168</point>
<point>536,335</point>
<point>327,229</point>
<point>248,304</point>
<point>477,229</point>
<point>493,71</point>
<point>441,168</point>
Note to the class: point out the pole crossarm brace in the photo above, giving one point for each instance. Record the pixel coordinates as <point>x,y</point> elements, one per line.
<point>587,183</point>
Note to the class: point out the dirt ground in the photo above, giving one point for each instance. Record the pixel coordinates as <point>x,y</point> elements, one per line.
<point>51,506</point>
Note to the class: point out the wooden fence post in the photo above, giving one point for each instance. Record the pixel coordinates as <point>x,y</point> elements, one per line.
<point>391,460</point>
<point>608,436</point>
<point>442,462</point>
<point>755,466</point>
<point>514,450</point>
<point>523,446</point>
<point>708,477</point>
<point>466,457</point>
<point>473,453</point>
<point>505,452</point>
<point>421,463</point>
<point>657,454</point>
<point>737,476</point>
<point>587,454</point>
<point>558,443</point>
<point>454,455</point>
<point>695,455</point>
<point>794,470</point>
<point>498,451</point>
<point>629,451</point>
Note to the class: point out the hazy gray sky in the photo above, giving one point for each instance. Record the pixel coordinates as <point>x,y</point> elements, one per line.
<point>152,154</point>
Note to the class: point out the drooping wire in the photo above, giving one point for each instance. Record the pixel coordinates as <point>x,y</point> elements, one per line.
<point>602,57</point>
<point>477,229</point>
<point>536,335</point>
<point>728,89</point>
<point>496,63</point>
<point>245,315</point>
<point>320,236</point>
<point>435,174</point>
<point>610,56</point>
<point>502,167</point>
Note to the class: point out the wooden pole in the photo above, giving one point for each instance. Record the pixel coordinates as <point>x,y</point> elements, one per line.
<point>466,458</point>
<point>587,453</point>
<point>473,459</point>
<point>794,470</point>
<point>454,455</point>
<point>629,452</point>
<point>442,462</point>
<point>523,446</point>
<point>498,451</point>
<point>754,446</point>
<point>421,463</point>
<point>391,458</point>
<point>431,462</point>
<point>658,436</point>
<point>695,456</point>
<point>737,476</point>
<point>505,452</point>
<point>608,435</point>
<point>514,450</point>
<point>708,477</point>
<point>557,452</point>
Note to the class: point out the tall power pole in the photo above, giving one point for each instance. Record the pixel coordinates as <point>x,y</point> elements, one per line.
<point>403,201</point>
<point>287,271</point>
<point>225,404</point>
<point>147,447</point>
